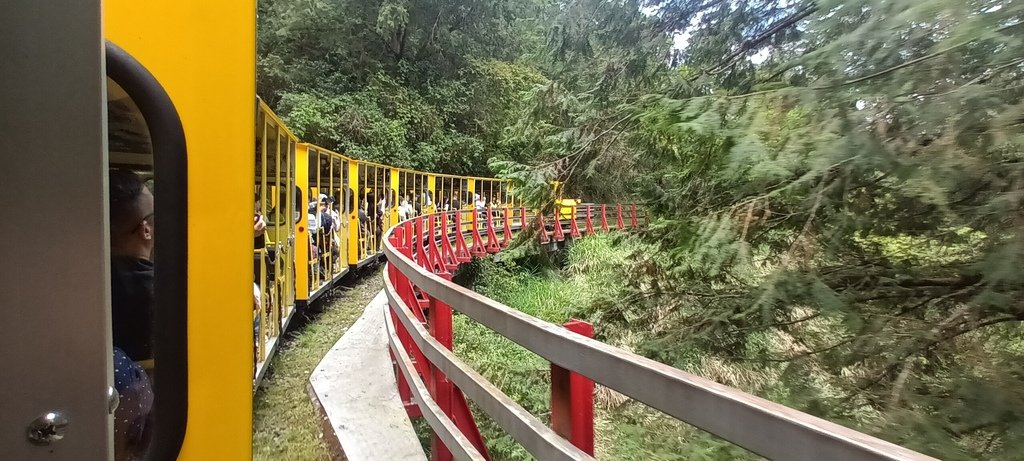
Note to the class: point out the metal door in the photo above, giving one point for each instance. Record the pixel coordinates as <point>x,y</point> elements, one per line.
<point>54,284</point>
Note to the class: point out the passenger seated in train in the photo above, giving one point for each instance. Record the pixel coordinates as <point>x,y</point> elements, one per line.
<point>131,280</point>
<point>496,206</point>
<point>382,209</point>
<point>326,228</point>
<point>313,222</point>
<point>363,219</point>
<point>428,202</point>
<point>480,205</point>
<point>259,242</point>
<point>259,229</point>
<point>336,218</point>
<point>131,268</point>
<point>404,209</point>
<point>135,402</point>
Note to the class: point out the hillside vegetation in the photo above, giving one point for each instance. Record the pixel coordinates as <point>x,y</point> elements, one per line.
<point>836,187</point>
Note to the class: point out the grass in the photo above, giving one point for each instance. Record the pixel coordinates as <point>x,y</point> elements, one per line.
<point>553,297</point>
<point>624,429</point>
<point>285,424</point>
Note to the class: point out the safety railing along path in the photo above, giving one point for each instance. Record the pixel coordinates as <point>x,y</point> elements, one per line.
<point>423,252</point>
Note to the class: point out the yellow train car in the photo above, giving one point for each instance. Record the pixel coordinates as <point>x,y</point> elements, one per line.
<point>277,215</point>
<point>202,54</point>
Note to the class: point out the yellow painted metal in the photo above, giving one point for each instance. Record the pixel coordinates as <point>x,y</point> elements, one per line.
<point>344,205</point>
<point>432,187</point>
<point>395,195</point>
<point>301,230</point>
<point>203,53</point>
<point>354,242</point>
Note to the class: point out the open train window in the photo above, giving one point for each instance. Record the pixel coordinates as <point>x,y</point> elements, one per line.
<point>148,190</point>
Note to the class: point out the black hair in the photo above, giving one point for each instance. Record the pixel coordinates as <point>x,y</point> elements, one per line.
<point>125,189</point>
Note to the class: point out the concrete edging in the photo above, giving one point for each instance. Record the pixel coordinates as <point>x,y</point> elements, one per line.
<point>355,391</point>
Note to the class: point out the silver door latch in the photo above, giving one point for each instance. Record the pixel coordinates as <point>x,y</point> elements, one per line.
<point>48,428</point>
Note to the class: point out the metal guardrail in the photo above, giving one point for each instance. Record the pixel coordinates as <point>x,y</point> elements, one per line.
<point>414,283</point>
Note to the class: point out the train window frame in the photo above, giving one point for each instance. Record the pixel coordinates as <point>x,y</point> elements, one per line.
<point>170,161</point>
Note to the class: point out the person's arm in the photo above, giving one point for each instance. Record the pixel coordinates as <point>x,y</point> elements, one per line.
<point>259,225</point>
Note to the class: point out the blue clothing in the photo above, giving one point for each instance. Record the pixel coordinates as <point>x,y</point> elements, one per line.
<point>136,401</point>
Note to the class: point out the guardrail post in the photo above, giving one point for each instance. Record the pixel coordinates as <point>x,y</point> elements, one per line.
<point>506,232</point>
<point>492,236</point>
<point>400,240</point>
<point>436,261</point>
<point>461,250</point>
<point>559,235</point>
<point>542,228</point>
<point>477,250</point>
<point>633,217</point>
<point>604,218</point>
<point>447,253</point>
<point>574,229</point>
<point>440,386</point>
<point>417,242</point>
<point>590,222</point>
<point>619,217</point>
<point>572,399</point>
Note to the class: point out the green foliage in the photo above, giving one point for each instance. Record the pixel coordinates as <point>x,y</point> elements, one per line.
<point>603,57</point>
<point>422,84</point>
<point>843,216</point>
<point>592,271</point>
<point>836,187</point>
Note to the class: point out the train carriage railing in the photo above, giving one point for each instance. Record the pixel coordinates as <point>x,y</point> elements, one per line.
<point>422,253</point>
<point>274,263</point>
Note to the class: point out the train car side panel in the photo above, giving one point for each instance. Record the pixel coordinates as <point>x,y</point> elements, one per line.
<point>203,53</point>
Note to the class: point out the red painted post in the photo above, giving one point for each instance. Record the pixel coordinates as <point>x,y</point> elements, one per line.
<point>574,229</point>
<point>559,235</point>
<point>417,242</point>
<point>440,387</point>
<point>447,254</point>
<point>542,229</point>
<point>590,223</point>
<point>633,217</point>
<point>437,262</point>
<point>619,217</point>
<point>461,250</point>
<point>463,419</point>
<point>430,242</point>
<point>572,399</point>
<point>604,218</point>
<point>404,393</point>
<point>398,238</point>
<point>407,245</point>
<point>477,249</point>
<point>492,236</point>
<point>506,231</point>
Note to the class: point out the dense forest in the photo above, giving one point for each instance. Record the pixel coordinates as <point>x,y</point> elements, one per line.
<point>836,186</point>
